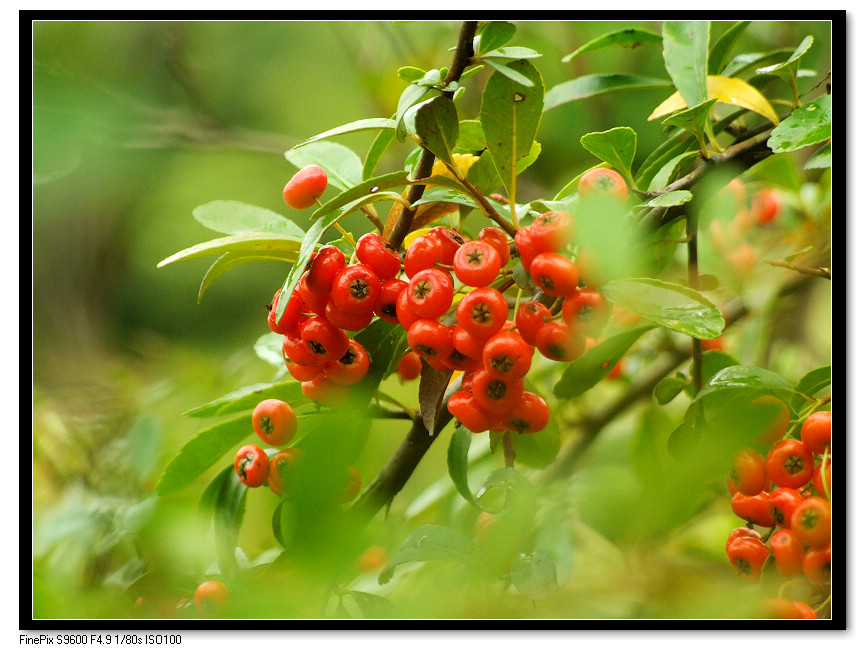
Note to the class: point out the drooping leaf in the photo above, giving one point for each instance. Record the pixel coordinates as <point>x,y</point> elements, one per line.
<point>727,90</point>
<point>668,200</point>
<point>246,398</point>
<point>510,114</point>
<point>534,575</point>
<point>361,191</point>
<point>493,35</point>
<point>342,165</point>
<point>629,38</point>
<point>808,125</point>
<point>228,261</point>
<point>432,542</point>
<point>792,62</point>
<point>201,451</point>
<point>375,152</point>
<point>741,377</point>
<point>246,243</point>
<point>615,147</point>
<point>596,363</point>
<point>742,62</point>
<point>235,218</point>
<point>511,73</point>
<point>811,384</point>
<point>686,53</point>
<point>458,464</point>
<point>673,306</point>
<point>598,84</point>
<point>435,125</point>
<point>373,123</point>
<point>721,49</point>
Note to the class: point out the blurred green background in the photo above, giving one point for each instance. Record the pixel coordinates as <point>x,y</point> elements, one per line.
<point>137,123</point>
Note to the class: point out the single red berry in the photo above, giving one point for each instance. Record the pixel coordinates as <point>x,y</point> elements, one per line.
<point>603,181</point>
<point>498,239</point>
<point>788,552</point>
<point>385,308</point>
<point>211,598</point>
<point>296,351</point>
<point>315,303</point>
<point>741,531</point>
<point>356,289</point>
<point>280,464</point>
<point>765,205</point>
<point>817,564</point>
<point>404,313</point>
<point>430,339</point>
<point>476,264</point>
<point>325,392</point>
<point>786,608</point>
<point>430,293</point>
<point>586,309</point>
<point>812,521</point>
<point>252,465</point>
<point>379,255</point>
<point>450,240</point>
<point>424,253</point>
<point>823,488</point>
<point>409,366</point>
<point>305,187</point>
<point>753,509</point>
<point>782,503</point>
<point>482,312</point>
<point>530,317</point>
<point>556,341</point>
<point>323,339</point>
<point>817,431</point>
<point>465,343</point>
<point>463,406</point>
<point>350,368</point>
<point>530,415</point>
<point>323,268</point>
<point>274,421</point>
<point>346,321</point>
<point>494,395</point>
<point>525,246</point>
<point>554,274</point>
<point>507,356</point>
<point>553,231</point>
<point>747,556</point>
<point>748,474</point>
<point>290,316</point>
<point>302,373</point>
<point>789,463</point>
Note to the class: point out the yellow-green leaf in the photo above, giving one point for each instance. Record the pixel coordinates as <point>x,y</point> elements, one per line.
<point>727,90</point>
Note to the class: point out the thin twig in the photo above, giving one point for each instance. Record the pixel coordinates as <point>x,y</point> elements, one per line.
<point>821,272</point>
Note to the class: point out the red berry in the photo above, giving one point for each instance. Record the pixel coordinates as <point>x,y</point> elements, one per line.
<point>812,521</point>
<point>350,368</point>
<point>507,356</point>
<point>776,415</point>
<point>323,339</point>
<point>748,474</point>
<point>356,289</point>
<point>788,552</point>
<point>496,396</point>
<point>742,531</point>
<point>753,509</point>
<point>430,339</point>
<point>385,307</point>
<point>552,231</point>
<point>765,205</point>
<point>817,564</point>
<point>409,366</point>
<point>404,313</point>
<point>476,264</point>
<point>603,181</point>
<point>282,461</point>
<point>789,463</point>
<point>498,239</point>
<point>252,465</point>
<point>817,431</point>
<point>482,312</point>
<point>463,406</point>
<point>290,316</point>
<point>554,274</point>
<point>531,316</point>
<point>296,351</point>
<point>747,556</point>
<point>586,309</point>
<point>325,392</point>
<point>423,253</point>
<point>274,421</point>
<point>305,187</point>
<point>450,241</point>
<point>315,303</point>
<point>379,255</point>
<point>782,503</point>
<point>558,342</point>
<point>430,293</point>
<point>525,246</point>
<point>530,415</point>
<point>465,343</point>
<point>302,373</point>
<point>346,321</point>
<point>823,488</point>
<point>211,598</point>
<point>322,270</point>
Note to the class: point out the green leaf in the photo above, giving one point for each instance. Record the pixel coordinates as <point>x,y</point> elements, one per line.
<point>534,575</point>
<point>668,200</point>
<point>629,38</point>
<point>376,151</point>
<point>384,343</point>
<point>200,452</point>
<point>144,438</point>
<point>524,162</point>
<point>676,144</point>
<point>342,165</point>
<point>483,174</point>
<point>458,464</point>
<point>373,606</point>
<point>494,35</point>
<point>369,124</point>
<point>670,171</point>
<point>721,49</point>
<point>229,505</point>
<point>671,305</point>
<point>362,190</point>
<point>742,377</point>
<point>228,261</point>
<point>822,158</point>
<point>596,363</point>
<point>410,74</point>
<point>246,243</point>
<point>511,53</point>
<point>510,114</point>
<point>441,195</point>
<point>235,218</point>
<point>246,399</point>
<point>432,542</point>
<point>811,384</point>
<point>268,348</point>
<point>511,73</point>
<point>435,125</point>
<point>668,388</point>
<point>686,53</point>
<point>410,96</point>
<point>792,62</point>
<point>808,125</point>
<point>615,147</point>
<point>742,62</point>
<point>693,120</point>
<point>598,84</point>
<point>471,138</point>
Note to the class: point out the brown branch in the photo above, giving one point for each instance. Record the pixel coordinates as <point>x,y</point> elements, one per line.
<point>461,57</point>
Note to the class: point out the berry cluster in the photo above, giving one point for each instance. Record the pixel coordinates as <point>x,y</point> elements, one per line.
<point>787,492</point>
